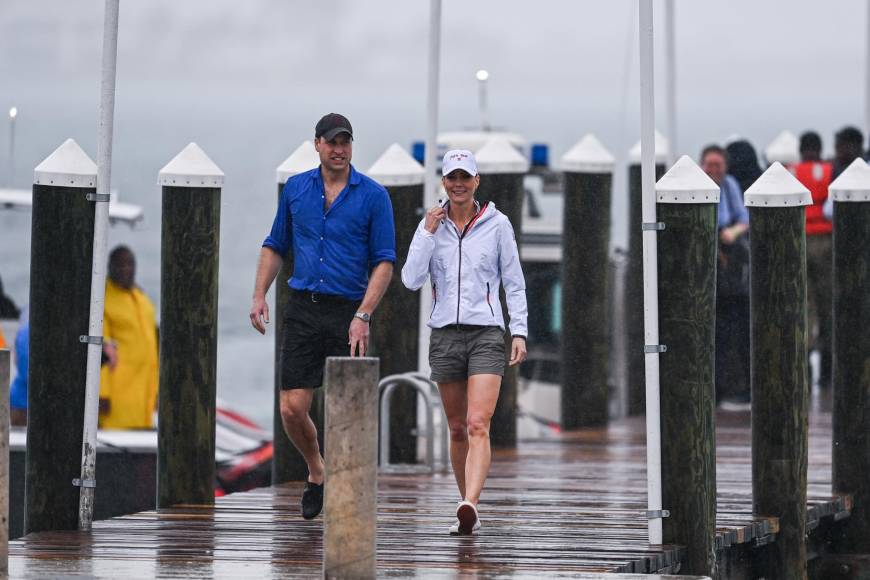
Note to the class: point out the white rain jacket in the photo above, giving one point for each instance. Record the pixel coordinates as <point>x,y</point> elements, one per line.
<point>467,270</point>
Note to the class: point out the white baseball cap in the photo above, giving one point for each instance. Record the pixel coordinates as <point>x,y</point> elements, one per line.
<point>459,159</point>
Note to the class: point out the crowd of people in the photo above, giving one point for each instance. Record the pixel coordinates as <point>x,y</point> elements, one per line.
<point>735,168</point>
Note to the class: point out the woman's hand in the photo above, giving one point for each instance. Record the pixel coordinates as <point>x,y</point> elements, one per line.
<point>433,218</point>
<point>518,350</point>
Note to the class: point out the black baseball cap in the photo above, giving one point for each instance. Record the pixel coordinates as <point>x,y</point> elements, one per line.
<point>331,125</point>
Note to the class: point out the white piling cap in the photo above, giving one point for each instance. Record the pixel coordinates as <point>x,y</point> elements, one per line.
<point>853,184</point>
<point>588,155</point>
<point>785,149</point>
<point>396,167</point>
<point>777,187</point>
<point>685,182</point>
<point>662,150</point>
<point>191,168</point>
<point>498,156</point>
<point>68,166</point>
<point>303,159</point>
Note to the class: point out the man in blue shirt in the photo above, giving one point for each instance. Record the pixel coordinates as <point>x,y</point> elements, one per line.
<point>339,225</point>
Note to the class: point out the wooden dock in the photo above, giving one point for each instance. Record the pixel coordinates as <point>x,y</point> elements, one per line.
<point>558,507</point>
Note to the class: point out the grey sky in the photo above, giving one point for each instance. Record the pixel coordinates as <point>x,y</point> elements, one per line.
<point>557,67</point>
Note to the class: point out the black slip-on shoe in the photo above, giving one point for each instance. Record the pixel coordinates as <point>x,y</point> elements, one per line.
<point>312,500</point>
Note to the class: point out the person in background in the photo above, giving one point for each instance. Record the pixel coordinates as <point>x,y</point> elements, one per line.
<point>8,311</point>
<point>18,389</point>
<point>128,382</point>
<point>848,146</point>
<point>815,175</point>
<point>743,163</point>
<point>732,282</point>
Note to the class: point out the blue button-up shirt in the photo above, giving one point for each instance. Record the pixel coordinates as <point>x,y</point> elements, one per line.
<point>333,249</point>
<point>731,207</point>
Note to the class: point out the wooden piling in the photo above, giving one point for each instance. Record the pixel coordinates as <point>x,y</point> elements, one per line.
<point>501,169</point>
<point>395,325</point>
<point>350,500</point>
<point>686,201</point>
<point>780,390</point>
<point>287,463</point>
<point>585,347</point>
<point>851,413</point>
<point>188,329</point>
<point>634,330</point>
<point>61,253</point>
<point>5,382</point>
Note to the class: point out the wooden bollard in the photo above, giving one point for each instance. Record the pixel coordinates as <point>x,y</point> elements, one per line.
<point>686,201</point>
<point>62,238</point>
<point>5,381</point>
<point>287,463</point>
<point>502,169</point>
<point>851,415</point>
<point>395,327</point>
<point>778,330</point>
<point>585,346</point>
<point>188,328</point>
<point>635,358</point>
<point>351,499</point>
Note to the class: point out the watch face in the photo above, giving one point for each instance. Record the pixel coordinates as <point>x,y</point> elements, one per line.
<point>363,316</point>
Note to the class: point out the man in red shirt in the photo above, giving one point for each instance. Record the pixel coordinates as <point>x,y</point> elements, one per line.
<point>815,174</point>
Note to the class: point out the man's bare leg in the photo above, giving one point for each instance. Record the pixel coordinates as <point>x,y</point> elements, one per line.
<point>295,404</point>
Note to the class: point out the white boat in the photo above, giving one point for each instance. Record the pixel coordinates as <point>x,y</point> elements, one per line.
<point>126,213</point>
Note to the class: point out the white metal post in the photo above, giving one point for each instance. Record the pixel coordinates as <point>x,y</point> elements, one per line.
<point>650,274</point>
<point>482,79</point>
<point>867,73</point>
<point>98,270</point>
<point>671,82</point>
<point>10,176</point>
<point>430,162</point>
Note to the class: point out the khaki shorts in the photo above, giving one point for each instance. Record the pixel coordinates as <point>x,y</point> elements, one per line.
<point>458,351</point>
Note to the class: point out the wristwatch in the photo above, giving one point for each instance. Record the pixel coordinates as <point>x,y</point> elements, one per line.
<point>364,316</point>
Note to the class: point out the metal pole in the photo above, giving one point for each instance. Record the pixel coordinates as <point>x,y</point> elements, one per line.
<point>671,79</point>
<point>650,274</point>
<point>482,78</point>
<point>430,162</point>
<point>13,112</point>
<point>98,270</point>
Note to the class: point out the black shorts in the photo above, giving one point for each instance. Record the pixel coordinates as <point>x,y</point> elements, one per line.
<point>315,327</point>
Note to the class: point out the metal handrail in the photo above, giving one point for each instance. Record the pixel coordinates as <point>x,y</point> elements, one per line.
<point>424,387</point>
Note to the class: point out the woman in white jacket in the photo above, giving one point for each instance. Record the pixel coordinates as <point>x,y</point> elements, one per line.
<point>468,250</point>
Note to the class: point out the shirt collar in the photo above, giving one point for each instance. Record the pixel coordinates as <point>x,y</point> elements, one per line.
<point>353,179</point>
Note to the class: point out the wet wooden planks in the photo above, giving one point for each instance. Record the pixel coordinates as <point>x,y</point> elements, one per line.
<point>574,504</point>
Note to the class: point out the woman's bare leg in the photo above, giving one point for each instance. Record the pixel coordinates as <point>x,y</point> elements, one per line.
<point>482,397</point>
<point>455,400</point>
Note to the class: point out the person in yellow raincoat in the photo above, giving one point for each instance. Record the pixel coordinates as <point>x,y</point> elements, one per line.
<point>128,382</point>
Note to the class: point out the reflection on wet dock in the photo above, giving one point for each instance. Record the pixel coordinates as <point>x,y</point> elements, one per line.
<point>561,507</point>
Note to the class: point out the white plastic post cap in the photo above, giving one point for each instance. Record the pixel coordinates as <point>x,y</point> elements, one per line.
<point>67,166</point>
<point>191,168</point>
<point>662,150</point>
<point>777,187</point>
<point>853,185</point>
<point>303,159</point>
<point>499,156</point>
<point>396,167</point>
<point>685,182</point>
<point>588,155</point>
<point>784,148</point>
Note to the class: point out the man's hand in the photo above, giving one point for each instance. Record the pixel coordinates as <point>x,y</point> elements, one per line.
<point>358,337</point>
<point>727,236</point>
<point>111,352</point>
<point>433,218</point>
<point>518,350</point>
<point>260,314</point>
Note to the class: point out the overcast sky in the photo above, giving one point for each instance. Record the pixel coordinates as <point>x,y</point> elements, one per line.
<point>558,68</point>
